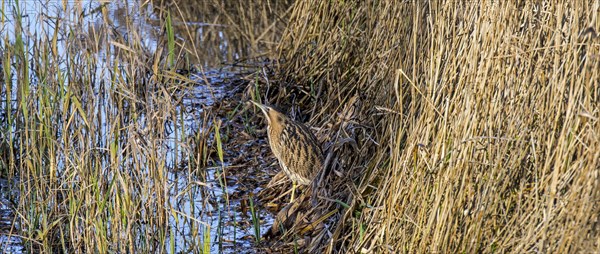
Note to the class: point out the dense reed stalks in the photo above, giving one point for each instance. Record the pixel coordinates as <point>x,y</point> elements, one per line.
<point>476,124</point>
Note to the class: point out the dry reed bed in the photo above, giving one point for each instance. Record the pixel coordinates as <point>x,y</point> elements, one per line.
<point>477,124</point>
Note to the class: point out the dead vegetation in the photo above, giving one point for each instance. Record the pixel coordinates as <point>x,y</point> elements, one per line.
<point>451,126</point>
<point>448,127</point>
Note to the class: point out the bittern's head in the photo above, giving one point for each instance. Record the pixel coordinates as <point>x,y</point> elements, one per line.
<point>274,117</point>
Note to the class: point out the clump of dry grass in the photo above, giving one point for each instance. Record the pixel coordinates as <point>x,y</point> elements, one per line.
<point>475,124</point>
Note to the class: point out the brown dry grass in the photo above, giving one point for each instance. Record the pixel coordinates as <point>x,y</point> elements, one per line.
<point>476,126</point>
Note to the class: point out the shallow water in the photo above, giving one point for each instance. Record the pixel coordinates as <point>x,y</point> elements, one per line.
<point>215,206</point>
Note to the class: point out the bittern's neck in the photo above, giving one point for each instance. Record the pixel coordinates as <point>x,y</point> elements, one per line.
<point>276,123</point>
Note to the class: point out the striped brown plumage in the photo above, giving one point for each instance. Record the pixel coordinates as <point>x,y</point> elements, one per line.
<point>294,145</point>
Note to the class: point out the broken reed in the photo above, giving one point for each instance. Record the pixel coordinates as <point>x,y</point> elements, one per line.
<point>476,129</point>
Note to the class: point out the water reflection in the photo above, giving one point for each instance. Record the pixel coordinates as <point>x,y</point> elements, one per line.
<point>220,31</point>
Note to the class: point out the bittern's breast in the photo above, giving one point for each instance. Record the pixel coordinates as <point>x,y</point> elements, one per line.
<point>297,150</point>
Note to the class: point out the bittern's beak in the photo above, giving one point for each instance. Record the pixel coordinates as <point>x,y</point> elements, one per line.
<point>262,107</point>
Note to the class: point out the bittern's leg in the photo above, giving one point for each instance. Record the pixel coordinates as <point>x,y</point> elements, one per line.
<point>293,190</point>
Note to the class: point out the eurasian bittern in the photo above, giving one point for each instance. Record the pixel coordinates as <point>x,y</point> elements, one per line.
<point>294,145</point>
